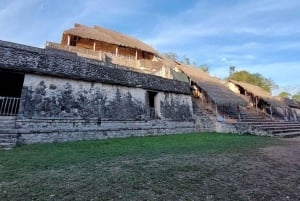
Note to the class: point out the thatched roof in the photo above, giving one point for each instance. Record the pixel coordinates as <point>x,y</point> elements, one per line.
<point>108,36</point>
<point>214,87</point>
<point>255,90</point>
<point>259,92</point>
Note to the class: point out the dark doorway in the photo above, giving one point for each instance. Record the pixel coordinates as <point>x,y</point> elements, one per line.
<point>151,98</point>
<point>11,85</point>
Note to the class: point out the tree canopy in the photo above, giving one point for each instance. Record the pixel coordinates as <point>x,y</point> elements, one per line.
<point>285,94</point>
<point>185,60</point>
<point>296,97</point>
<point>255,79</point>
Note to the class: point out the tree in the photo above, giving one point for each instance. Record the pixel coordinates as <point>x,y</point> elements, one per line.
<point>171,55</point>
<point>296,97</point>
<point>285,94</point>
<point>231,70</point>
<point>185,60</point>
<point>255,79</point>
<point>204,67</point>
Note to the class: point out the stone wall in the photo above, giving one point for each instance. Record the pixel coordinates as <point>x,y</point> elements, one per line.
<point>68,98</point>
<point>26,59</point>
<point>50,97</point>
<point>108,129</point>
<point>174,106</point>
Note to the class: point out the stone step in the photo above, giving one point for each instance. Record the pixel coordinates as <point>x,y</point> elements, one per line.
<point>7,146</point>
<point>278,131</point>
<point>268,122</point>
<point>8,141</point>
<point>288,135</point>
<point>254,119</point>
<point>8,138</point>
<point>7,122</point>
<point>261,122</point>
<point>276,126</point>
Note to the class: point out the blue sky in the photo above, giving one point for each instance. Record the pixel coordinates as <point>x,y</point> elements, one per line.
<point>260,36</point>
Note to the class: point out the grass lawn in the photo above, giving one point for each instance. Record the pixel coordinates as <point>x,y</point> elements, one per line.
<point>205,166</point>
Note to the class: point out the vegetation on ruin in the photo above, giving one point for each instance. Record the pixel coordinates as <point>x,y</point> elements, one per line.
<point>185,60</point>
<point>252,78</point>
<point>176,167</point>
<point>285,94</point>
<point>296,96</point>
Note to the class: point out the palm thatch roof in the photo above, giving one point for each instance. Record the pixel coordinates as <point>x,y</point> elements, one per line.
<point>255,90</point>
<point>108,36</point>
<point>214,88</point>
<point>259,92</point>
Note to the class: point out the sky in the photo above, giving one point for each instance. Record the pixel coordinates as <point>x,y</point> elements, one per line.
<point>259,36</point>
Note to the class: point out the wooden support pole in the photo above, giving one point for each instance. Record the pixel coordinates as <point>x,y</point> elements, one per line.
<point>94,46</point>
<point>256,102</point>
<point>136,55</point>
<point>69,40</point>
<point>117,51</point>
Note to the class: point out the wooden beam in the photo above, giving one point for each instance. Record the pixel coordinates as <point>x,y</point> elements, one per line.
<point>94,46</point>
<point>69,40</point>
<point>136,55</point>
<point>256,102</point>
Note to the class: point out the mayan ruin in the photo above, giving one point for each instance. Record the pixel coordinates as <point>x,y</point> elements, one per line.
<point>99,84</point>
<point>149,100</point>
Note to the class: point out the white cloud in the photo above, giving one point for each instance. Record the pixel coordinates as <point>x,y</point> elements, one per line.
<point>259,36</point>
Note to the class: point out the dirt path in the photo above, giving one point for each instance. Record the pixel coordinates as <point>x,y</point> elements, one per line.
<point>288,152</point>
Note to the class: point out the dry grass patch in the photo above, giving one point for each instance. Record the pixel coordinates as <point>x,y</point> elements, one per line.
<point>177,167</point>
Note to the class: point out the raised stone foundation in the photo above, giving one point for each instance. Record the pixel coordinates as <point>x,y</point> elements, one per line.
<point>41,131</point>
<point>68,98</point>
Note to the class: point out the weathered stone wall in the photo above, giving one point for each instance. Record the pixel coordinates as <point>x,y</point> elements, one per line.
<point>67,98</point>
<point>49,97</point>
<point>174,106</point>
<point>26,59</point>
<point>240,128</point>
<point>108,129</point>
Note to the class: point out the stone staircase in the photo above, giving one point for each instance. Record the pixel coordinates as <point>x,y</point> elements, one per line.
<point>273,127</point>
<point>203,115</point>
<point>8,136</point>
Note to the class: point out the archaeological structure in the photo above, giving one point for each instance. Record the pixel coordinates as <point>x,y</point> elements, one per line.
<point>99,84</point>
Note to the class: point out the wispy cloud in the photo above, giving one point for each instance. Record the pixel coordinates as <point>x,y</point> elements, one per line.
<point>258,35</point>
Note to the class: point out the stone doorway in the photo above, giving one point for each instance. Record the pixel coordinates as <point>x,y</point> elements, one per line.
<point>10,92</point>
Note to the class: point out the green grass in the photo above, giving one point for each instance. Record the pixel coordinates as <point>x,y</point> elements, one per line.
<point>41,156</point>
<point>170,167</point>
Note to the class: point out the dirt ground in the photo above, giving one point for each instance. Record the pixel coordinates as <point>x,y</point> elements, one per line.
<point>288,153</point>
<point>253,174</point>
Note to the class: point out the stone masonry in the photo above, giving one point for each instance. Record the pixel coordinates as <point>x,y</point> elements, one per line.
<point>66,98</point>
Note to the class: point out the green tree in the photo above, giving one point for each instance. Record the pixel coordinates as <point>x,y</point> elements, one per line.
<point>285,94</point>
<point>255,79</point>
<point>296,97</point>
